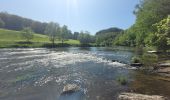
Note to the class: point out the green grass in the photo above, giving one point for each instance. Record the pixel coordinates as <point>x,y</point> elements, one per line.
<point>10,38</point>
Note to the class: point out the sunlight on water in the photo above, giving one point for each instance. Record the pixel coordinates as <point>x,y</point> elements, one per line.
<point>40,67</point>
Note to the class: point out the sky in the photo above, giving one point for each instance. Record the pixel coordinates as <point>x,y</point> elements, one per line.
<point>78,15</point>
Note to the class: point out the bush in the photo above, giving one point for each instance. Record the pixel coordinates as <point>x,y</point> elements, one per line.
<point>136,60</point>
<point>149,59</point>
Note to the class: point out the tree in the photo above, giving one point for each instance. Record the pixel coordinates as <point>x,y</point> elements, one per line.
<point>162,35</point>
<point>85,37</point>
<point>2,24</point>
<point>52,30</point>
<point>75,35</point>
<point>148,12</point>
<point>64,34</point>
<point>27,34</point>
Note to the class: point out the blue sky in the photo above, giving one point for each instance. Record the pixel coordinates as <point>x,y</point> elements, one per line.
<point>90,15</point>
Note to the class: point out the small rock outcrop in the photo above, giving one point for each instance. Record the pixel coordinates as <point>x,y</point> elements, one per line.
<point>135,96</point>
<point>70,88</point>
<point>164,64</point>
<point>153,51</point>
<point>163,68</point>
<point>72,92</point>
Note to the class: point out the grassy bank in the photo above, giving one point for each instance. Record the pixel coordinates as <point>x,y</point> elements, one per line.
<point>10,39</point>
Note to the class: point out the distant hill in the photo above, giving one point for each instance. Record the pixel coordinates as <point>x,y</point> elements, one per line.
<point>15,22</point>
<point>106,37</point>
<point>109,30</point>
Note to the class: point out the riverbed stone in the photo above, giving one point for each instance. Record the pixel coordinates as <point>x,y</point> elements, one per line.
<point>70,88</point>
<point>164,64</point>
<point>135,96</point>
<point>72,92</point>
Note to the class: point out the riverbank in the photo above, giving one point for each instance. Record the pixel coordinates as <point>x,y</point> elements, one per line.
<point>41,45</point>
<point>153,61</point>
<point>13,39</point>
<point>163,68</point>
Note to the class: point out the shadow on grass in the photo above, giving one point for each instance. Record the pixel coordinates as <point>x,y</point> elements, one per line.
<point>50,45</point>
<point>24,42</point>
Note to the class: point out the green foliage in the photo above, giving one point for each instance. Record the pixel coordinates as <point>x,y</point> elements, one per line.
<point>27,34</point>
<point>65,34</point>
<point>162,35</point>
<point>14,22</point>
<point>149,12</point>
<point>126,38</point>
<point>148,29</point>
<point>75,35</point>
<point>85,37</point>
<point>149,59</point>
<point>10,38</point>
<point>52,30</point>
<point>122,80</point>
<point>136,60</point>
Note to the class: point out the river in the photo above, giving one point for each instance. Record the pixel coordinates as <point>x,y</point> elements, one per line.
<point>41,74</point>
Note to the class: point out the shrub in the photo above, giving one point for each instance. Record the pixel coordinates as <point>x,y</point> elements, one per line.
<point>136,60</point>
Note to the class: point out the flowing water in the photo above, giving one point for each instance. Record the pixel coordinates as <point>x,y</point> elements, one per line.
<point>41,74</point>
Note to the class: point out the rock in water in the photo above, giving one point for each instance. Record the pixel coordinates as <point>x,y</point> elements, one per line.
<point>72,92</point>
<point>69,88</point>
<point>153,51</point>
<point>134,96</point>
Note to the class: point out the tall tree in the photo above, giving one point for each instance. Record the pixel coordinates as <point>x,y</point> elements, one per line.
<point>2,24</point>
<point>64,34</point>
<point>148,13</point>
<point>27,34</point>
<point>52,30</point>
<point>75,35</point>
<point>161,37</point>
<point>85,37</point>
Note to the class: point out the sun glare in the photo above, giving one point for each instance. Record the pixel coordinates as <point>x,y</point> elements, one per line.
<point>72,8</point>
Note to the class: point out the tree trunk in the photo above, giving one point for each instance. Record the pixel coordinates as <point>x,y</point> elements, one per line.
<point>53,43</point>
<point>62,41</point>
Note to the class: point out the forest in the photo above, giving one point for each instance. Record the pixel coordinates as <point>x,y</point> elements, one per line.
<point>152,26</point>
